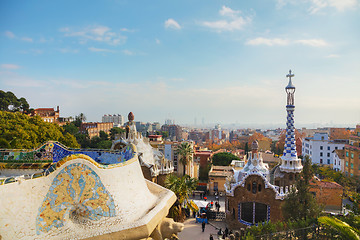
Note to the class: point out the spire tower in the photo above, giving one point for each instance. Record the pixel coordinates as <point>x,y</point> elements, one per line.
<point>290,162</point>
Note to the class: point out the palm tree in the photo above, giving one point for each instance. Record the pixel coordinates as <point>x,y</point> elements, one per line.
<point>185,151</point>
<point>182,187</point>
<point>345,230</point>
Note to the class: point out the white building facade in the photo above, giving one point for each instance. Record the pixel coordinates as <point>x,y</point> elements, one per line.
<point>321,150</point>
<point>118,119</point>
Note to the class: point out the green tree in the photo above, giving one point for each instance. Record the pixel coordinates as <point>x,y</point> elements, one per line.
<point>185,151</point>
<point>182,187</point>
<point>223,159</point>
<point>305,202</point>
<point>25,132</point>
<point>114,131</point>
<point>246,148</point>
<point>9,102</point>
<point>103,136</point>
<point>70,128</point>
<point>79,119</point>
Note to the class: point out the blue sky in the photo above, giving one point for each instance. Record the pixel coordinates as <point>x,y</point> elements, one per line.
<point>224,61</point>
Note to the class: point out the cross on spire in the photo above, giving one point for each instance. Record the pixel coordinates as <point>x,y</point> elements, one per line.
<point>290,75</point>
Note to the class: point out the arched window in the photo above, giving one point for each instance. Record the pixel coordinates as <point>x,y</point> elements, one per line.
<point>254,186</point>
<point>248,187</point>
<point>259,187</point>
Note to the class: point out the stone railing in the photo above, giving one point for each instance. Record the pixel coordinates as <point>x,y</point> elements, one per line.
<point>54,158</point>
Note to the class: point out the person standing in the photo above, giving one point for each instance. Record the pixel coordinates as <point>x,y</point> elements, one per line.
<point>203,226</point>
<point>211,237</point>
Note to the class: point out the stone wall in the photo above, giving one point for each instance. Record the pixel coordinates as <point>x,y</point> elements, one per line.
<point>242,194</point>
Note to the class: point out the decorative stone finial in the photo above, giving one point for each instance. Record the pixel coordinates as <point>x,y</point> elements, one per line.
<point>255,146</point>
<point>131,117</point>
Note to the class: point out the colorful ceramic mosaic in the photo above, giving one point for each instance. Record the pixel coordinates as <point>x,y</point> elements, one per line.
<point>53,152</point>
<point>78,191</point>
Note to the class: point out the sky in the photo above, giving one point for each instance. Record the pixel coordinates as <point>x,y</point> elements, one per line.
<point>209,61</point>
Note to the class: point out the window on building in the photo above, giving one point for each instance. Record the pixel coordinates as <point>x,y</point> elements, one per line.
<point>336,148</point>
<point>347,163</point>
<point>248,187</point>
<point>249,208</point>
<point>215,186</point>
<point>335,162</point>
<point>260,212</point>
<point>329,148</point>
<point>328,161</point>
<point>346,173</point>
<point>321,147</point>
<point>328,154</point>
<point>247,211</point>
<point>352,155</point>
<point>351,174</point>
<point>322,138</point>
<point>347,154</point>
<point>321,154</point>
<point>352,166</point>
<point>254,186</point>
<point>259,187</point>
<point>320,161</point>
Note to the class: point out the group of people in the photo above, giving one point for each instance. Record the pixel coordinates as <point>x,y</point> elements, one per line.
<point>224,233</point>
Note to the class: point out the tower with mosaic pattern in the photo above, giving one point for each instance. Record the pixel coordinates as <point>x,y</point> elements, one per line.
<point>290,163</point>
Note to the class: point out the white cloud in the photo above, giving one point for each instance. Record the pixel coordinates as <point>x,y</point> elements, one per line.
<point>285,42</point>
<point>9,34</point>
<point>95,33</point>
<point>313,42</point>
<point>171,23</point>
<point>10,66</point>
<point>93,49</point>
<point>128,52</point>
<point>226,11</point>
<point>33,51</point>
<point>316,6</point>
<point>333,56</point>
<point>157,41</point>
<point>68,50</point>
<point>268,41</point>
<point>233,21</point>
<point>27,39</point>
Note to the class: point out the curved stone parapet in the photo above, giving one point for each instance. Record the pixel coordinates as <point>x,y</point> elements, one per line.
<point>79,197</point>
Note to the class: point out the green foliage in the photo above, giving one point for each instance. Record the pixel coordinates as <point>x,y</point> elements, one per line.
<point>71,128</point>
<point>79,119</point>
<point>185,151</point>
<point>4,144</point>
<point>277,230</point>
<point>164,134</point>
<point>344,230</point>
<point>350,183</point>
<point>223,159</point>
<point>204,172</point>
<point>9,102</point>
<point>114,131</point>
<point>24,132</point>
<point>306,206</point>
<point>182,187</point>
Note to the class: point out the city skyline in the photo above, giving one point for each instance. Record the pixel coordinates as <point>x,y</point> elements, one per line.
<point>220,62</point>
